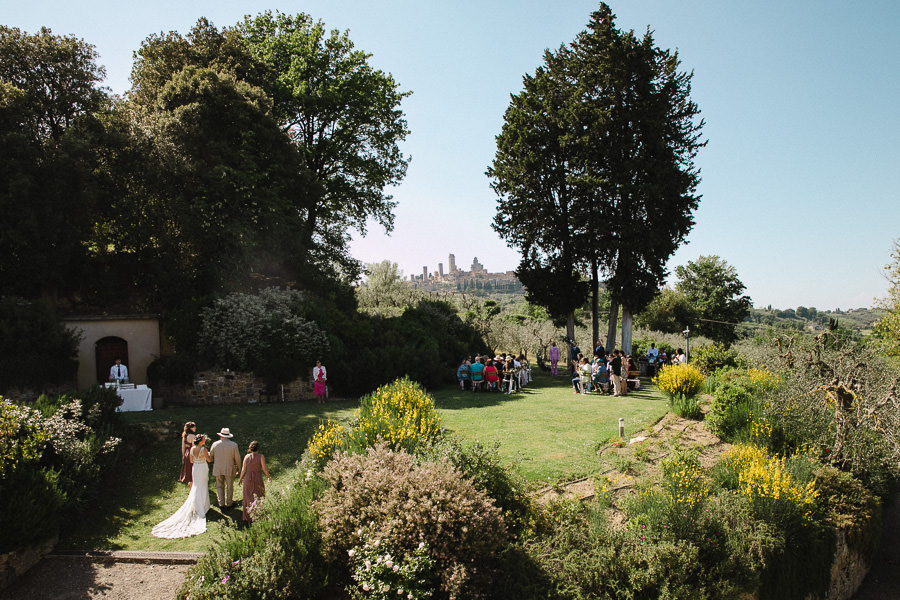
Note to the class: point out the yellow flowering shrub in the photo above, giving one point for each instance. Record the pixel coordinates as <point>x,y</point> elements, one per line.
<point>401,413</point>
<point>328,438</point>
<point>770,486</point>
<point>676,505</point>
<point>684,379</point>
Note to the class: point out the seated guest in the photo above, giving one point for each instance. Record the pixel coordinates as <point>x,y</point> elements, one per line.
<point>462,373</point>
<point>584,370</point>
<point>476,373</point>
<point>509,375</point>
<point>600,374</point>
<point>576,374</point>
<point>491,375</point>
<point>633,371</point>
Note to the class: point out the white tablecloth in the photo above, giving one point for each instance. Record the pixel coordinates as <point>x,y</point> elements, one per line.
<point>140,398</point>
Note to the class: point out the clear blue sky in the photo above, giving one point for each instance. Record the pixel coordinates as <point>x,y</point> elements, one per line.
<point>800,176</point>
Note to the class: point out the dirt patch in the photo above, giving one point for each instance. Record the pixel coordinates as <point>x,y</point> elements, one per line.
<point>78,578</point>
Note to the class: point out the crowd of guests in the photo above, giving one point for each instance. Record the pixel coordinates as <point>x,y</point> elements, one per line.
<point>501,373</point>
<point>613,372</point>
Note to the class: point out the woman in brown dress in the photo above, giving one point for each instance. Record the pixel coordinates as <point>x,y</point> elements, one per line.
<point>187,440</point>
<point>253,467</point>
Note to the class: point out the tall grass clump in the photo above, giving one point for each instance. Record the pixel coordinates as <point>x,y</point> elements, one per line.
<point>686,407</point>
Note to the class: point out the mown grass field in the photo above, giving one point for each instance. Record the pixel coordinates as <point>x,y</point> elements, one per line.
<point>545,430</point>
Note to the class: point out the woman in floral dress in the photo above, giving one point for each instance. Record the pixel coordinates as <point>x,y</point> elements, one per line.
<point>187,441</point>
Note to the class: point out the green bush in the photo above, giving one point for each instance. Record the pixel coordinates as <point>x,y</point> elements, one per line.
<point>31,504</point>
<point>731,412</point>
<point>265,333</point>
<point>711,358</point>
<point>278,557</point>
<point>482,466</point>
<point>173,369</point>
<point>35,346</point>
<point>387,496</point>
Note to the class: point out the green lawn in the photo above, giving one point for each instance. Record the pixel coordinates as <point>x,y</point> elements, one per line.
<point>546,430</point>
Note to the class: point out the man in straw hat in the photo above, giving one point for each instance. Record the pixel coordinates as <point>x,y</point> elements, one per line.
<point>226,460</point>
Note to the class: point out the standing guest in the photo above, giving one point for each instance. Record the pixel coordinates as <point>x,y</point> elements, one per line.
<point>462,372</point>
<point>253,468</point>
<point>226,460</point>
<point>680,358</point>
<point>615,368</point>
<point>663,358</point>
<point>652,357</point>
<point>187,442</point>
<point>599,349</point>
<point>554,358</point>
<point>320,376</point>
<point>118,372</point>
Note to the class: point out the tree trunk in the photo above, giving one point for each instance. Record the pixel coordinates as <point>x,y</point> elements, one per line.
<point>595,301</point>
<point>570,334</point>
<point>613,324</point>
<point>627,324</point>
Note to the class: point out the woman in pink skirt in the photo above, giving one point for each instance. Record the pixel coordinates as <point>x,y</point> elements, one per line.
<point>252,469</point>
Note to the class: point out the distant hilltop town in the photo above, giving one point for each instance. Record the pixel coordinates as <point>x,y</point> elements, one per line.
<point>477,279</point>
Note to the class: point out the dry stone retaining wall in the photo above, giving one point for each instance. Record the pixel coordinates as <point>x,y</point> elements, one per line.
<point>230,387</point>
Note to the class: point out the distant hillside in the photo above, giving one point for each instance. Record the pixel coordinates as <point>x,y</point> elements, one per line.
<point>803,318</point>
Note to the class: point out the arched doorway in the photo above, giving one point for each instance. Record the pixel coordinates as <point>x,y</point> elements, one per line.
<point>105,352</point>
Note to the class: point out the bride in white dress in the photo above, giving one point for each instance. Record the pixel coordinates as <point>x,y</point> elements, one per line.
<point>190,519</point>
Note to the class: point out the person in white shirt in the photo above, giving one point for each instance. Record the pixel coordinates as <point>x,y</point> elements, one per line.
<point>118,372</point>
<point>652,357</point>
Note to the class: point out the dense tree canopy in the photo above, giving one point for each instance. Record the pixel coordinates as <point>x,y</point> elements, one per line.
<point>49,191</point>
<point>594,165</point>
<point>344,119</point>
<point>712,287</point>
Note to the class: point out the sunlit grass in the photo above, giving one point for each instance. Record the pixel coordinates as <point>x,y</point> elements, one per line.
<point>545,429</point>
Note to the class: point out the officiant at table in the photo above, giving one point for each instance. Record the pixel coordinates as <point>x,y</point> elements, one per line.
<point>118,372</point>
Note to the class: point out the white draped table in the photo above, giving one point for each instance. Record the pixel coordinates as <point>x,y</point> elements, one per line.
<point>138,398</point>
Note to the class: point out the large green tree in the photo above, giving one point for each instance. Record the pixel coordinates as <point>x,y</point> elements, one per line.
<point>344,118</point>
<point>48,185</point>
<point>270,141</point>
<point>641,135</point>
<point>712,287</point>
<point>607,130</point>
<point>532,173</point>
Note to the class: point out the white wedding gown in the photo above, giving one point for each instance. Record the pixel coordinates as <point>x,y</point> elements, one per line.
<point>190,519</point>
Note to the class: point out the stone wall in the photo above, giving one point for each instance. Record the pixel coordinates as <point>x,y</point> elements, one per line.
<point>229,387</point>
<point>15,564</point>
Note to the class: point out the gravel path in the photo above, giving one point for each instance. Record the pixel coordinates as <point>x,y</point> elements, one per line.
<point>62,577</point>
